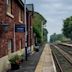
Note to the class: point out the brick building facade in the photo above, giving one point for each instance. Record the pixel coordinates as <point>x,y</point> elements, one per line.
<point>12,30</point>
<point>11,14</point>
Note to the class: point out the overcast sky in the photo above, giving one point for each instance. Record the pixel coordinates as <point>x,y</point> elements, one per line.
<point>55,11</point>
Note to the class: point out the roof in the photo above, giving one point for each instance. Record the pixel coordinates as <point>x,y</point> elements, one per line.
<point>21,2</point>
<point>42,17</point>
<point>29,7</point>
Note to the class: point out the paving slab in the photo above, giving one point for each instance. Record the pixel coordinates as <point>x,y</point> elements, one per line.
<point>46,63</point>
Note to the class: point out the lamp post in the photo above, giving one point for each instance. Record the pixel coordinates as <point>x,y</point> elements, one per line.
<point>25,30</point>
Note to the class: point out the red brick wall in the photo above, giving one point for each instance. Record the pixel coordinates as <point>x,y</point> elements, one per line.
<point>30,30</point>
<point>31,34</point>
<point>4,37</point>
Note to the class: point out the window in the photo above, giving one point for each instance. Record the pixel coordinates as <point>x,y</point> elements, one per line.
<point>10,46</point>
<point>9,6</point>
<point>20,15</point>
<point>20,44</point>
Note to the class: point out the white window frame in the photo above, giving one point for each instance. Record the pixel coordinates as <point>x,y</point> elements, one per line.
<point>20,44</point>
<point>20,16</point>
<point>10,43</point>
<point>9,12</point>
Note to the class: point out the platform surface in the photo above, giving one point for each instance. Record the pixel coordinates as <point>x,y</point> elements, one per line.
<point>67,44</point>
<point>46,62</point>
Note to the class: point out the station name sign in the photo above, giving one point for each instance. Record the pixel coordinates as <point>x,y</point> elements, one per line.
<point>20,28</point>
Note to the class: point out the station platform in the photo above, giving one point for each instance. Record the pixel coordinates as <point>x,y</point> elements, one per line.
<point>46,62</point>
<point>66,44</point>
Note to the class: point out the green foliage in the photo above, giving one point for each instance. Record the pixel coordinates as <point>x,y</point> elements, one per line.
<point>67,27</point>
<point>14,59</point>
<point>37,26</point>
<point>45,32</point>
<point>53,38</point>
<point>57,37</point>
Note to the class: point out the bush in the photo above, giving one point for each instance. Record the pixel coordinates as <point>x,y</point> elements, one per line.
<point>15,59</point>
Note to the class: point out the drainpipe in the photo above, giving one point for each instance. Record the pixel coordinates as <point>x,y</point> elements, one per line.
<point>14,39</point>
<point>25,30</point>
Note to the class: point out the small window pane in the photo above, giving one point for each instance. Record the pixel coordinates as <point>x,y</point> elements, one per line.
<point>9,6</point>
<point>10,46</point>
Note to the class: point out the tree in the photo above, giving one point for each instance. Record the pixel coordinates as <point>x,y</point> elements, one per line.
<point>53,38</point>
<point>45,32</point>
<point>67,27</point>
<point>57,38</point>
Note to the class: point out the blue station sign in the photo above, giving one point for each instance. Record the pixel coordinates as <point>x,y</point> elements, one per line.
<point>20,28</point>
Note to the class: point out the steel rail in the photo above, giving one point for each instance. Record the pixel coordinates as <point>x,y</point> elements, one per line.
<point>59,66</point>
<point>63,54</point>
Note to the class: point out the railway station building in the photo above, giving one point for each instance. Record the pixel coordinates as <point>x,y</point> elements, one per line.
<point>12,30</point>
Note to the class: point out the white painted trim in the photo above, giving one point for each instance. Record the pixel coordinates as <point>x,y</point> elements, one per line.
<point>53,62</point>
<point>10,15</point>
<point>14,39</point>
<point>20,21</point>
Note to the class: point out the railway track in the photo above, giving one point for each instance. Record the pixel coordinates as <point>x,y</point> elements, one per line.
<point>61,60</point>
<point>65,54</point>
<point>67,49</point>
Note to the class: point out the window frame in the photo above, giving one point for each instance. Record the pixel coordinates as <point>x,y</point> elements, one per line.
<point>9,8</point>
<point>20,44</point>
<point>10,46</point>
<point>20,15</point>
